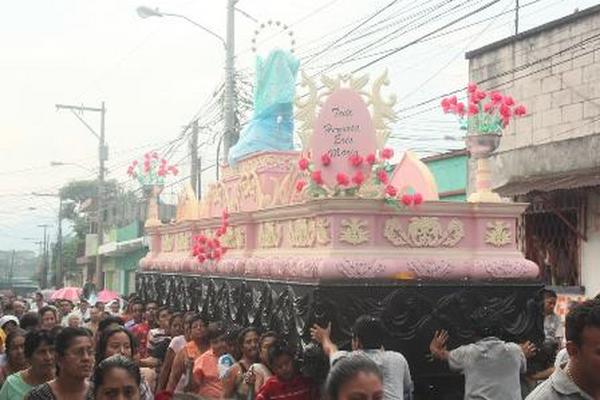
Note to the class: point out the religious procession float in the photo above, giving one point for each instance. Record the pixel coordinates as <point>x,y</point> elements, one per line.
<point>288,238</point>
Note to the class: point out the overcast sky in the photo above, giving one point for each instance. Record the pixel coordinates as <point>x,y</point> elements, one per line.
<point>156,74</point>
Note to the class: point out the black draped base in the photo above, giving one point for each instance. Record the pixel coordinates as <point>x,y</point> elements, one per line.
<point>411,313</point>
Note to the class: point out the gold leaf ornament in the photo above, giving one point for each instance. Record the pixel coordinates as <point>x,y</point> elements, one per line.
<point>354,231</point>
<point>423,232</point>
<point>498,234</point>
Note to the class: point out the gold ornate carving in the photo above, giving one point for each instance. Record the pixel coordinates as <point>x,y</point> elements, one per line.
<point>323,231</point>
<point>498,234</point>
<point>182,241</point>
<point>269,235</point>
<point>187,204</point>
<point>306,110</point>
<point>305,232</point>
<point>259,162</point>
<point>383,110</point>
<point>167,244</point>
<point>423,232</point>
<point>354,231</point>
<point>235,238</point>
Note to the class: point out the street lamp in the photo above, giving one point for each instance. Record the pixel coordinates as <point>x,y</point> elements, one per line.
<point>147,12</point>
<point>62,164</point>
<point>229,45</point>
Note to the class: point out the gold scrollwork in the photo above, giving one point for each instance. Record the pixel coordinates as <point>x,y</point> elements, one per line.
<point>167,243</point>
<point>354,231</point>
<point>305,232</point>
<point>235,238</point>
<point>183,241</point>
<point>269,235</point>
<point>383,110</point>
<point>498,234</point>
<point>423,232</point>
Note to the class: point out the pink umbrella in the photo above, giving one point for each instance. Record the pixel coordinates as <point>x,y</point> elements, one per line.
<point>107,295</point>
<point>67,293</point>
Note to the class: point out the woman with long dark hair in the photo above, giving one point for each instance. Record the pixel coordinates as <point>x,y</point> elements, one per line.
<point>15,354</point>
<point>119,341</point>
<point>39,353</point>
<point>75,361</point>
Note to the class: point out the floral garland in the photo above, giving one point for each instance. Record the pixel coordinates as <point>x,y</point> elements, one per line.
<point>380,169</point>
<point>206,248</point>
<point>152,170</point>
<point>490,117</point>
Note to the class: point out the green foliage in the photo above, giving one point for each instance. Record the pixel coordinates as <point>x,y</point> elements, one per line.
<point>80,191</point>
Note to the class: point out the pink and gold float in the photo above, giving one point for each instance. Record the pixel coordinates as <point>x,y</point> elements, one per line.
<point>339,210</point>
<point>344,227</point>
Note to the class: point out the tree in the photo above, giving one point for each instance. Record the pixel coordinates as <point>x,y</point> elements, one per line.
<point>75,194</point>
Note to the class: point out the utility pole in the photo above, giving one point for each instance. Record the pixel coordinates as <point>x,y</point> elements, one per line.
<point>199,192</point>
<point>44,274</point>
<point>516,17</point>
<point>59,246</point>
<point>194,172</point>
<point>231,135</point>
<point>11,270</point>
<point>102,157</point>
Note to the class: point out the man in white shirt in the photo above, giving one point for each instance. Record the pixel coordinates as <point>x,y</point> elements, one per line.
<point>577,378</point>
<point>368,335</point>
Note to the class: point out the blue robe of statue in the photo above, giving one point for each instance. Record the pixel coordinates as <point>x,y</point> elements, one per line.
<point>272,124</point>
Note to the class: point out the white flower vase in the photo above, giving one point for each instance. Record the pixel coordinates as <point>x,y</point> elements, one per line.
<point>152,192</point>
<point>480,147</point>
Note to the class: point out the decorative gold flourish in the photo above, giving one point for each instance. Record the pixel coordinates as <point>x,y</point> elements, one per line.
<point>306,110</point>
<point>498,234</point>
<point>305,232</point>
<point>301,232</point>
<point>269,235</point>
<point>354,231</point>
<point>423,232</point>
<point>383,111</point>
<point>183,241</point>
<point>235,237</point>
<point>323,231</point>
<point>167,243</point>
<point>187,204</point>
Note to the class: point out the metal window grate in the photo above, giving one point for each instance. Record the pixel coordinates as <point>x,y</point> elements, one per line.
<point>551,234</point>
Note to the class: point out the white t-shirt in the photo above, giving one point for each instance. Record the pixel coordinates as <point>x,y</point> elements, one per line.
<point>492,369</point>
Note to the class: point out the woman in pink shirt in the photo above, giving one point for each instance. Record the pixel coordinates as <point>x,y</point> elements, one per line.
<point>206,370</point>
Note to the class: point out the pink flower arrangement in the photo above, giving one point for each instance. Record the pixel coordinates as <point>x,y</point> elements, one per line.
<point>210,249</point>
<point>374,167</point>
<point>483,117</point>
<point>153,170</point>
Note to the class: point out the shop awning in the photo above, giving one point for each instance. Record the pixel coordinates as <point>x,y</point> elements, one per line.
<point>120,248</point>
<point>548,183</point>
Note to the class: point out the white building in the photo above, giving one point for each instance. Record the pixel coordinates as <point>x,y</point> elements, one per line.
<point>551,158</point>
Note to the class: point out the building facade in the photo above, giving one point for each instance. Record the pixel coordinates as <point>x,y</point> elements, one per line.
<point>450,171</point>
<point>550,158</point>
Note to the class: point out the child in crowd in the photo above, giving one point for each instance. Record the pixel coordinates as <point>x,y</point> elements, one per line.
<point>287,383</point>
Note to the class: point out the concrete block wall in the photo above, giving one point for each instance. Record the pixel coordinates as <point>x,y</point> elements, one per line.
<point>561,91</point>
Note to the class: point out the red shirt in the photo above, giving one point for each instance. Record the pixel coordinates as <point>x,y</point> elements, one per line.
<point>140,332</point>
<point>298,388</point>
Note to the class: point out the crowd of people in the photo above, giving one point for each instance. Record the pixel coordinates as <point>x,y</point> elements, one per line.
<point>141,350</point>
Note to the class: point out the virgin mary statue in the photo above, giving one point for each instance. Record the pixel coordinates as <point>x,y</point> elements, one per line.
<point>272,124</point>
